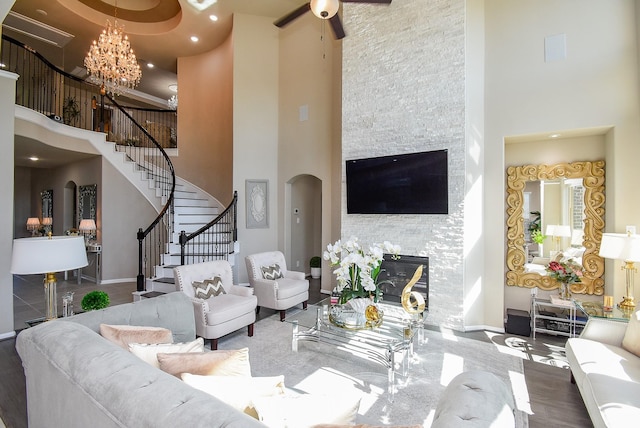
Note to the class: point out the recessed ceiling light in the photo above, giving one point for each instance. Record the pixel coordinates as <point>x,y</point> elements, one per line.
<point>173,87</point>
<point>554,135</point>
<point>214,18</point>
<point>202,4</point>
<point>42,12</point>
<point>150,65</point>
<point>194,38</point>
<point>34,158</point>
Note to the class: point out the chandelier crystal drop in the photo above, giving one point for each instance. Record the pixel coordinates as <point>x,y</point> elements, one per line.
<point>111,62</point>
<point>173,102</point>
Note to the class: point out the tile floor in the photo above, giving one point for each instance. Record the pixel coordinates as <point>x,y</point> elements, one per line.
<point>28,295</point>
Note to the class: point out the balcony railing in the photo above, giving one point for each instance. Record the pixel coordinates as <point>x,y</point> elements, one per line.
<point>141,133</point>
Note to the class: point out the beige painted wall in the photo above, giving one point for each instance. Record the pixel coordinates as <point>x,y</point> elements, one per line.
<point>124,212</point>
<point>255,126</point>
<point>7,96</point>
<point>595,86</point>
<point>309,79</point>
<point>205,121</point>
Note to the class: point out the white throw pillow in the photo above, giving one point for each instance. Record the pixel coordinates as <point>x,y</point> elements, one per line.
<point>239,392</point>
<point>149,353</point>
<point>631,340</point>
<point>306,410</point>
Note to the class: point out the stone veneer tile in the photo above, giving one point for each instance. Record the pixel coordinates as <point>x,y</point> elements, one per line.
<point>404,91</point>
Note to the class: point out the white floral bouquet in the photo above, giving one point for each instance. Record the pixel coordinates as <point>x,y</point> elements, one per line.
<point>357,270</point>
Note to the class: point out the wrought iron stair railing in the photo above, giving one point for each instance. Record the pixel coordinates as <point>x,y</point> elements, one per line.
<point>213,241</point>
<point>45,88</point>
<point>141,133</point>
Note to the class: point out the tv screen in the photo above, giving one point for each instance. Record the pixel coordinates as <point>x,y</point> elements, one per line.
<point>415,183</point>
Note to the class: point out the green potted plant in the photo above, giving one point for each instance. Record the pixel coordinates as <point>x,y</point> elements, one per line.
<point>95,300</point>
<point>315,263</point>
<point>70,111</point>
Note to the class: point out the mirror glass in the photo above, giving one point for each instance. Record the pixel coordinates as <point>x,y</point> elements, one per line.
<point>87,206</point>
<point>47,209</point>
<point>565,202</point>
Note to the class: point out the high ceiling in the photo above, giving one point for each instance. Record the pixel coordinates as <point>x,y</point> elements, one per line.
<point>159,30</point>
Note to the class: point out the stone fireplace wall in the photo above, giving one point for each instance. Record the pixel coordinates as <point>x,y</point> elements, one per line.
<point>403,92</point>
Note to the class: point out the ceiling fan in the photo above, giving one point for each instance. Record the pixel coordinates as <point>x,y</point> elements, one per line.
<point>324,9</point>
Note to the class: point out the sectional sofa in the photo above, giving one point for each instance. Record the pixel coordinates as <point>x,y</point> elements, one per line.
<point>76,378</point>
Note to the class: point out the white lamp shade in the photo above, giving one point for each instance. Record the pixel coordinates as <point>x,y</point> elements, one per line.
<point>563,231</point>
<point>47,221</point>
<point>551,230</point>
<point>620,246</point>
<point>324,9</point>
<point>87,224</point>
<point>46,255</point>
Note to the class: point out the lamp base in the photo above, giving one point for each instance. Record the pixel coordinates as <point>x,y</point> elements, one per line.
<point>627,303</point>
<point>50,297</point>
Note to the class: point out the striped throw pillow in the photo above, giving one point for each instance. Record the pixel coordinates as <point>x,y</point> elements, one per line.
<point>272,272</point>
<point>208,288</point>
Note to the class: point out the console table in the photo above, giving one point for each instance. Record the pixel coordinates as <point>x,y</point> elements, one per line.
<point>556,317</point>
<point>379,344</point>
<point>93,271</point>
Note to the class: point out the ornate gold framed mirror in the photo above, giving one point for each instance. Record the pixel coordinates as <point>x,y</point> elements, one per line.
<point>592,175</point>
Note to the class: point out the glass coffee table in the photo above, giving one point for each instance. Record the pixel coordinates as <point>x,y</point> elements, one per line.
<point>383,344</point>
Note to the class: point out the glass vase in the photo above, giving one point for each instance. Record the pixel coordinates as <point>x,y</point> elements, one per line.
<point>356,314</point>
<point>565,291</point>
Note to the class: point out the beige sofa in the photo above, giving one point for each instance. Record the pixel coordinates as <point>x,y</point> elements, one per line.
<point>76,378</point>
<point>607,374</point>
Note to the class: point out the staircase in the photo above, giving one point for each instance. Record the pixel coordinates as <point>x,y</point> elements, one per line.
<point>192,209</point>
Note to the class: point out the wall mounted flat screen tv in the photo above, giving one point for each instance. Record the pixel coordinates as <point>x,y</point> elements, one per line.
<point>414,183</point>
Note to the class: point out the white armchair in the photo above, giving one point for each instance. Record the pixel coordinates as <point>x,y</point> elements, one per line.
<point>222,314</point>
<point>282,293</point>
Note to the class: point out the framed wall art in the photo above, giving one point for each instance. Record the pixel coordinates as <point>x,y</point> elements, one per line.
<point>257,201</point>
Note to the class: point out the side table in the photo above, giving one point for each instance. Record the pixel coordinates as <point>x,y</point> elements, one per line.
<point>596,310</point>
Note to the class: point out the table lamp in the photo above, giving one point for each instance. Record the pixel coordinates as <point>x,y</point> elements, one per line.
<point>558,231</point>
<point>625,247</point>
<point>47,222</point>
<point>33,224</point>
<point>48,255</point>
<point>87,225</point>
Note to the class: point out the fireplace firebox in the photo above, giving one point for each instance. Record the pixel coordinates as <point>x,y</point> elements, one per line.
<point>396,274</point>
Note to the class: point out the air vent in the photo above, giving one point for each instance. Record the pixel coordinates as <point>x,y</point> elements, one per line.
<point>36,29</point>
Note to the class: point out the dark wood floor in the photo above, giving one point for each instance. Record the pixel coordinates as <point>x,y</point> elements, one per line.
<point>553,400</point>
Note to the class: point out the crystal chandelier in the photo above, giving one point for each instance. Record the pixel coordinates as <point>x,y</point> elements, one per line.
<point>173,102</point>
<point>111,62</point>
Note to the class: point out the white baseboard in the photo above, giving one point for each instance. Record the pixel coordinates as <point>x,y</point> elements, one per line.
<point>7,335</point>
<point>117,280</point>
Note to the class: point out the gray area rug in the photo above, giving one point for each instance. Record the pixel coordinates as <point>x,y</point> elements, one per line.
<point>319,368</point>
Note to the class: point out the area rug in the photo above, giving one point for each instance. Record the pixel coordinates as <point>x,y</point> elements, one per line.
<point>319,368</point>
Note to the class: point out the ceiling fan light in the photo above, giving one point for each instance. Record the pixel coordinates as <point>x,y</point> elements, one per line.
<point>324,9</point>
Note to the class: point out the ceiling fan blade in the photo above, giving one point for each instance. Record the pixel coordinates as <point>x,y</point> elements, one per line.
<point>293,15</point>
<point>367,1</point>
<point>336,26</point>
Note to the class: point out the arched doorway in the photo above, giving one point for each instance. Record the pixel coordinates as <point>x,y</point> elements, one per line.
<point>69,207</point>
<point>303,221</point>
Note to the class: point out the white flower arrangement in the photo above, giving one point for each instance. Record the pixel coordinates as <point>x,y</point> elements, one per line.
<point>357,270</point>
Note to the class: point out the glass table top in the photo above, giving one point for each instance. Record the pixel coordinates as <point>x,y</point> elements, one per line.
<point>596,309</point>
